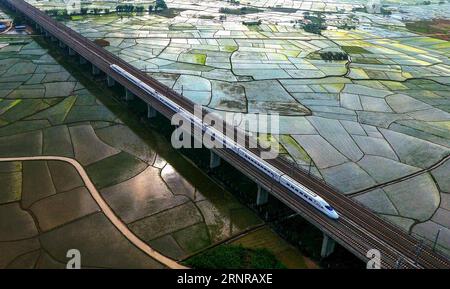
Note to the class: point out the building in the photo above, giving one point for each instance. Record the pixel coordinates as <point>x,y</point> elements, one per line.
<point>373,6</point>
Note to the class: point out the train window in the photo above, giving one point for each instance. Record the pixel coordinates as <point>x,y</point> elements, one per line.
<point>329,208</point>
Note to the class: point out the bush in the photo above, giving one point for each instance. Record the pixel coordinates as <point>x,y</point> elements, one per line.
<point>101,42</point>
<point>234,257</point>
<point>264,259</point>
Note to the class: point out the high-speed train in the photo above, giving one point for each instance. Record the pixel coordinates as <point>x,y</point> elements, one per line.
<point>311,198</point>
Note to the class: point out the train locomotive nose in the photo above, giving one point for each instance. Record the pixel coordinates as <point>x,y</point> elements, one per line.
<point>334,215</point>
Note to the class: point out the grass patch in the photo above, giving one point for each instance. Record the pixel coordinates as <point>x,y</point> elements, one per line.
<point>284,9</point>
<point>230,48</point>
<point>115,169</point>
<point>438,28</point>
<point>355,50</point>
<point>170,12</point>
<point>200,58</point>
<point>76,17</point>
<point>366,60</point>
<point>206,17</point>
<point>181,27</point>
<point>240,11</point>
<point>234,257</point>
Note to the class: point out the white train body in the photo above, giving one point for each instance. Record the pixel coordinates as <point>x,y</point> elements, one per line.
<point>299,190</point>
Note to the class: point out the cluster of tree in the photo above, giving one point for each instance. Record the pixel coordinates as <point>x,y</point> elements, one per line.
<point>250,23</point>
<point>330,56</point>
<point>98,11</point>
<point>83,11</point>
<point>139,9</point>
<point>126,8</point>
<point>347,26</point>
<point>313,28</point>
<point>426,2</point>
<point>360,9</point>
<point>317,23</point>
<point>57,12</point>
<point>239,11</point>
<point>129,9</point>
<point>19,20</point>
<point>159,5</point>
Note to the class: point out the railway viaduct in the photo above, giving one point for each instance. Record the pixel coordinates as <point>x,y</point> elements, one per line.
<point>358,229</point>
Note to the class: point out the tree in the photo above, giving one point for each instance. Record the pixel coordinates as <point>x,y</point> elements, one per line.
<point>125,8</point>
<point>140,9</point>
<point>19,20</point>
<point>160,4</point>
<point>313,28</point>
<point>330,56</point>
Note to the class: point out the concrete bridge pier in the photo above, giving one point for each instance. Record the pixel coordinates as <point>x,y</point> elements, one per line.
<point>82,60</point>
<point>95,70</point>
<point>262,197</point>
<point>328,245</point>
<point>53,38</point>
<point>214,160</point>
<point>72,52</point>
<point>151,112</point>
<point>128,95</point>
<point>62,44</point>
<point>110,81</point>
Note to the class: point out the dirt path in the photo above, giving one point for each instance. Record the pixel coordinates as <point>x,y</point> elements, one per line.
<point>105,208</point>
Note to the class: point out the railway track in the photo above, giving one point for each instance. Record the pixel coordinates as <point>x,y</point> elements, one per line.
<point>350,208</point>
<point>358,229</point>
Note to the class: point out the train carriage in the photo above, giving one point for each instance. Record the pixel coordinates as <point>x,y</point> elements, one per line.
<point>289,183</point>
